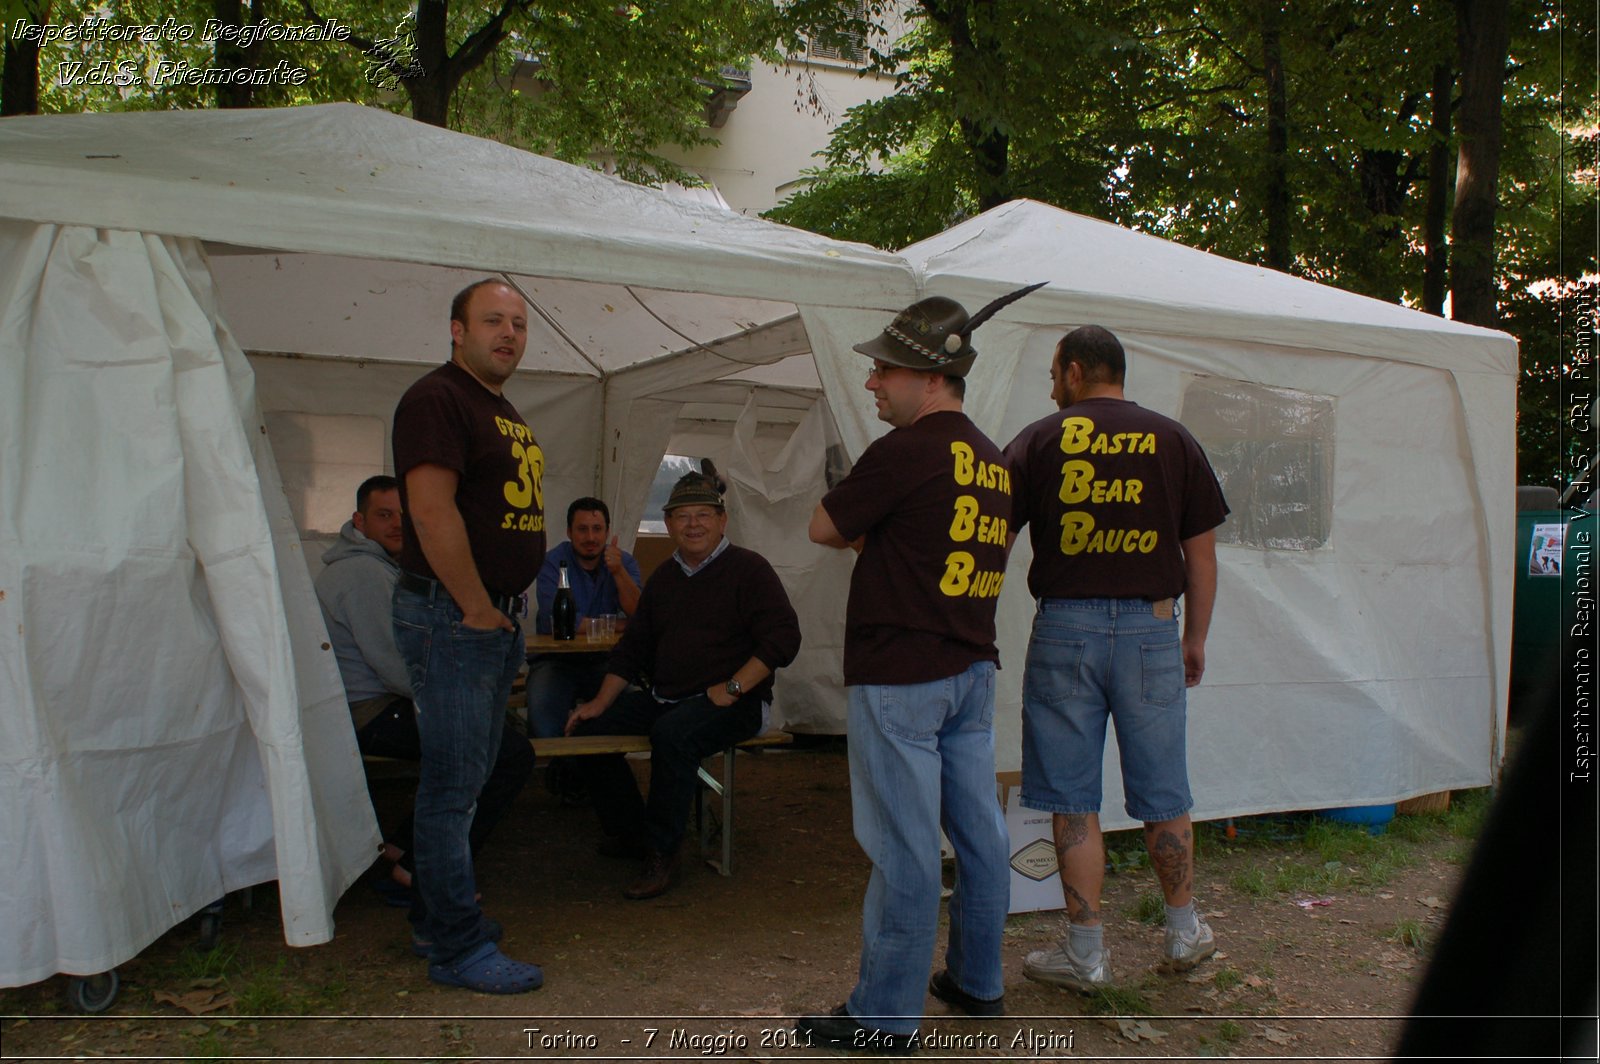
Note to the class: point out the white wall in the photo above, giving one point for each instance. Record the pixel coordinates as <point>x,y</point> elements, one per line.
<point>777,129</point>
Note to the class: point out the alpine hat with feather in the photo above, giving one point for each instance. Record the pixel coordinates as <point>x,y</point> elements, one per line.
<point>934,335</point>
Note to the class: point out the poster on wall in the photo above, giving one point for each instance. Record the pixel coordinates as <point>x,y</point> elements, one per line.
<point>1544,553</point>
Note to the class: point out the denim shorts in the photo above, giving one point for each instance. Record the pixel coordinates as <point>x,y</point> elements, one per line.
<point>1091,660</point>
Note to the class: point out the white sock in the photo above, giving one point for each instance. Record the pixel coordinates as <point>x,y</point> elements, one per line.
<point>1183,919</point>
<point>1086,942</point>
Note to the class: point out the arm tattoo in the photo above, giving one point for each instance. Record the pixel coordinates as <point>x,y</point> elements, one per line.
<point>1169,851</point>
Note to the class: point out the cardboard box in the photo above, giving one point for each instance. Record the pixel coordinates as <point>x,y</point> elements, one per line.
<point>1035,879</point>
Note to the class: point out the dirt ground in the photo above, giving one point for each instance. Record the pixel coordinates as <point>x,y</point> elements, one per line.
<point>720,966</point>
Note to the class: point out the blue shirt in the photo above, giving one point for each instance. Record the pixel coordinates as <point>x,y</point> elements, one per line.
<point>595,593</point>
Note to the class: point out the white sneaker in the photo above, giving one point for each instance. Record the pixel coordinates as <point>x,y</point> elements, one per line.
<point>1184,951</point>
<point>1058,967</point>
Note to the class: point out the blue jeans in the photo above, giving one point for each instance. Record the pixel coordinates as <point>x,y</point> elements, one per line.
<point>682,734</point>
<point>393,733</point>
<point>1093,660</point>
<point>461,678</point>
<point>921,758</point>
<point>556,683</point>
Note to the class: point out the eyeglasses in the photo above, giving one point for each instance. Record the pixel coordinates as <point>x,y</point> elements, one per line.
<point>881,370</point>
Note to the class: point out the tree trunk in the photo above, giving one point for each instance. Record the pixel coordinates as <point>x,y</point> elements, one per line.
<point>1482,38</point>
<point>229,56</point>
<point>1279,207</point>
<point>430,93</point>
<point>1436,254</point>
<point>975,51</point>
<point>19,76</point>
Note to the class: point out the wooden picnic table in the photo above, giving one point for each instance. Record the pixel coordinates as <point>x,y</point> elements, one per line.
<point>545,644</point>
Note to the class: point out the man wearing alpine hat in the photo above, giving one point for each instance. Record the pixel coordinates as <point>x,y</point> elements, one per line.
<point>928,507</point>
<point>712,627</point>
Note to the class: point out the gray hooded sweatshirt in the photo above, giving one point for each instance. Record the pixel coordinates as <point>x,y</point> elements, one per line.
<point>356,591</point>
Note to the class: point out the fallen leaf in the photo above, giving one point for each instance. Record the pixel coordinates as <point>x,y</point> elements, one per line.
<point>1307,903</point>
<point>1432,902</point>
<point>1277,1035</point>
<point>1139,1030</point>
<point>196,1002</point>
<point>1254,981</point>
<point>1342,920</point>
<point>1385,895</point>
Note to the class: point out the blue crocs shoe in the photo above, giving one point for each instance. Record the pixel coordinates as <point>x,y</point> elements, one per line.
<point>488,971</point>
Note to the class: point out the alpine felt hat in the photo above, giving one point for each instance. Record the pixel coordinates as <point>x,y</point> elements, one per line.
<point>934,335</point>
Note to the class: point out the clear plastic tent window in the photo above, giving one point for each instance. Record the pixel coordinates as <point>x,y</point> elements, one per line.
<point>1272,449</point>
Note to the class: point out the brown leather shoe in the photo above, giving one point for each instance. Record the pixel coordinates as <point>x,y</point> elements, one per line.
<point>656,878</point>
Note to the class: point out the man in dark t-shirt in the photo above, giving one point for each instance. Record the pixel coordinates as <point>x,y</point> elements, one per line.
<point>927,507</point>
<point>1123,509</point>
<point>471,489</point>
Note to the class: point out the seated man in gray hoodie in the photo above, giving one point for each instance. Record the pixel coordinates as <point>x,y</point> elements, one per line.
<point>355,590</point>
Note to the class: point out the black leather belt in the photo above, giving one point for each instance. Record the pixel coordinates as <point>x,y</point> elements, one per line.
<point>510,605</point>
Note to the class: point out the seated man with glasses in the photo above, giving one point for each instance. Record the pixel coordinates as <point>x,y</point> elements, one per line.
<point>713,625</point>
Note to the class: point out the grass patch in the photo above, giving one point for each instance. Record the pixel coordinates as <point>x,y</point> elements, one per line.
<point>1222,1039</point>
<point>1226,979</point>
<point>1251,882</point>
<point>1120,1001</point>
<point>1302,854</point>
<point>262,992</point>
<point>1411,934</point>
<point>1464,818</point>
<point>1150,908</point>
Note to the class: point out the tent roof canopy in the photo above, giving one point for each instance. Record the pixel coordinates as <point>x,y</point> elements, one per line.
<point>356,181</point>
<point>1102,273</point>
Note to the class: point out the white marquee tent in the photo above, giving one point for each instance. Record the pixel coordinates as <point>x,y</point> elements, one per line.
<point>170,724</point>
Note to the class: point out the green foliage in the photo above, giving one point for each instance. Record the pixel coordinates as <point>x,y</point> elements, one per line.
<point>1464,819</point>
<point>594,79</point>
<point>1125,851</point>
<point>1155,116</point>
<point>1226,979</point>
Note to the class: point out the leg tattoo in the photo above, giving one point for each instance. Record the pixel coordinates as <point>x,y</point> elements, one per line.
<point>1077,839</point>
<point>1071,830</point>
<point>1169,852</point>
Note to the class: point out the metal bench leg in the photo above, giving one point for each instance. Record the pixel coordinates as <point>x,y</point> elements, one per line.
<point>709,783</point>
<point>724,788</point>
<point>727,811</point>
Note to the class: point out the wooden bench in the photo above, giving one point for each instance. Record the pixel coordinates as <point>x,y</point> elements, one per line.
<point>584,745</point>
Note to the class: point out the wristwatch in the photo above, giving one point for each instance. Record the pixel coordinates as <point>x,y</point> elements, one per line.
<point>734,688</point>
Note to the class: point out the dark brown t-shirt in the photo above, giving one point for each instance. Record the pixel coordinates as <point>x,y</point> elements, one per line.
<point>448,419</point>
<point>933,500</point>
<point>1110,490</point>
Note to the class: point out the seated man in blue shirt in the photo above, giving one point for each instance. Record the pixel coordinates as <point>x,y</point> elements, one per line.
<point>605,579</point>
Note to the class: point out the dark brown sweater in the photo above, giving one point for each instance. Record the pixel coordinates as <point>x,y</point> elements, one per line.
<point>692,632</point>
